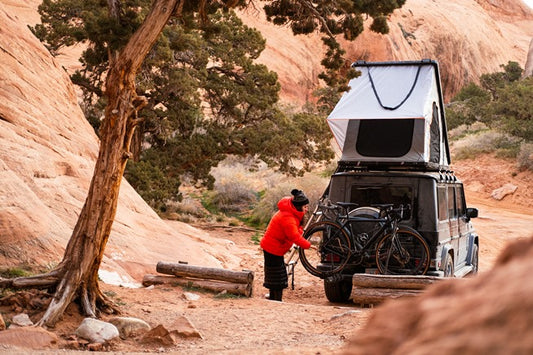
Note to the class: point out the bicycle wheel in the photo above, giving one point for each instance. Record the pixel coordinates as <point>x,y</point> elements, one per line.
<point>405,254</point>
<point>330,249</point>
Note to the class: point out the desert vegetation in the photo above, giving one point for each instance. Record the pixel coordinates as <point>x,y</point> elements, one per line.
<point>494,116</point>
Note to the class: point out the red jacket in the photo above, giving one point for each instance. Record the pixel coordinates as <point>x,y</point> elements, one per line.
<point>284,229</point>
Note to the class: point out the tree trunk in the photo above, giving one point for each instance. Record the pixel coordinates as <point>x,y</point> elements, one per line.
<point>209,273</point>
<point>78,272</point>
<point>406,282</point>
<point>375,296</point>
<point>244,289</point>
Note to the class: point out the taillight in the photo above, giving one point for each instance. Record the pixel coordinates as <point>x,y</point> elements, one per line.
<point>332,258</point>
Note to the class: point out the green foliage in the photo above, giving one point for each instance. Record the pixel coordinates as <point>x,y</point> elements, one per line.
<point>14,272</point>
<point>502,101</point>
<point>207,98</point>
<point>154,186</point>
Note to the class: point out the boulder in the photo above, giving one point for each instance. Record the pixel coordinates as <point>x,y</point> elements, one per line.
<point>21,320</point>
<point>129,327</point>
<point>503,191</point>
<point>96,331</point>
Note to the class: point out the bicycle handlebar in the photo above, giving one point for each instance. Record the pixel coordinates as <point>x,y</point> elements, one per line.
<point>388,209</point>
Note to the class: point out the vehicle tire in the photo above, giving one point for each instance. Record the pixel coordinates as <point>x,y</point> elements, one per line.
<point>330,249</point>
<point>474,261</point>
<point>338,289</point>
<point>407,254</point>
<point>449,268</point>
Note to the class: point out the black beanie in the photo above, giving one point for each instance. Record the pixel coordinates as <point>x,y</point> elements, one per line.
<point>299,198</point>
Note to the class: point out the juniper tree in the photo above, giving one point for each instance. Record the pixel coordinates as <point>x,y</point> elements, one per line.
<point>132,30</point>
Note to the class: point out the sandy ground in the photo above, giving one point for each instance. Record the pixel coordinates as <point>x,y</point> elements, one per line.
<point>304,323</point>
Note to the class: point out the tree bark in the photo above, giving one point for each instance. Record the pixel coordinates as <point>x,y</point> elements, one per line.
<point>243,289</point>
<point>390,281</point>
<point>184,270</point>
<point>78,271</point>
<point>374,296</point>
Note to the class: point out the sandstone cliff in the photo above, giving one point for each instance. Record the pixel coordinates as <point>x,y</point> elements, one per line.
<point>47,155</point>
<point>467,38</point>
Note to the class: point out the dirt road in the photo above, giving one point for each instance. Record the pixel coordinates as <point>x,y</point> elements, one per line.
<point>304,323</point>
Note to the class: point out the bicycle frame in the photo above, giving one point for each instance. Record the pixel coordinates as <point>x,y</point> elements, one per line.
<point>389,223</point>
<point>290,264</point>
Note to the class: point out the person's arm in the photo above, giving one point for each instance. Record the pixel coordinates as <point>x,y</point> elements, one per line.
<point>294,233</point>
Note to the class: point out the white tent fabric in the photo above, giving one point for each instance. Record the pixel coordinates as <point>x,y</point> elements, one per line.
<point>401,90</point>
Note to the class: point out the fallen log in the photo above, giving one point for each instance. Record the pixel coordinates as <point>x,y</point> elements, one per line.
<point>374,296</point>
<point>244,289</point>
<point>407,282</point>
<point>206,273</point>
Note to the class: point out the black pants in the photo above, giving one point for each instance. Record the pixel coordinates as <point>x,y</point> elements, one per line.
<point>275,275</point>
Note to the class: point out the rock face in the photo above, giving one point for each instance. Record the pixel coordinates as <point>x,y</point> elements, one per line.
<point>467,38</point>
<point>47,155</point>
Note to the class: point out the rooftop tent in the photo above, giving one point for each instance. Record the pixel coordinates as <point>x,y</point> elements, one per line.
<point>393,114</point>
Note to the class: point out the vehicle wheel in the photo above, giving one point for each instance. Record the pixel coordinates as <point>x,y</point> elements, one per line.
<point>406,254</point>
<point>338,290</point>
<point>330,249</point>
<point>475,259</point>
<point>449,268</point>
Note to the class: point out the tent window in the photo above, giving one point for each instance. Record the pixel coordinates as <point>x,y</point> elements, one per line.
<point>385,138</point>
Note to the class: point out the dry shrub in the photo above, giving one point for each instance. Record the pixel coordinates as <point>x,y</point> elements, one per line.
<point>471,146</point>
<point>312,185</point>
<point>233,196</point>
<point>525,157</point>
<point>187,210</point>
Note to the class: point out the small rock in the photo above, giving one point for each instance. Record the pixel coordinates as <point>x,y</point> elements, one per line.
<point>129,327</point>
<point>22,320</point>
<point>191,296</point>
<point>503,191</point>
<point>96,330</point>
<point>95,347</point>
<point>159,335</point>
<point>183,327</point>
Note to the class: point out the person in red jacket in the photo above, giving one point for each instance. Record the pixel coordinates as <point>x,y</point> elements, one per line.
<point>284,230</point>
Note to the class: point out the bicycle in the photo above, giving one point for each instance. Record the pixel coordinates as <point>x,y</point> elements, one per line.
<point>291,262</point>
<point>339,241</point>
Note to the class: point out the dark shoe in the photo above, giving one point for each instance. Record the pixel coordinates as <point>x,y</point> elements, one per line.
<point>276,295</point>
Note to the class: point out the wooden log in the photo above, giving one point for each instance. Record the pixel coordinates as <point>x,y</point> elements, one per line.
<point>215,286</point>
<point>207,273</point>
<point>407,282</point>
<point>374,296</point>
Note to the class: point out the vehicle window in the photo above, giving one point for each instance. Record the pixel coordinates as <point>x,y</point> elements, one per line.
<point>373,195</point>
<point>452,211</point>
<point>385,138</point>
<point>443,204</point>
<point>460,201</point>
